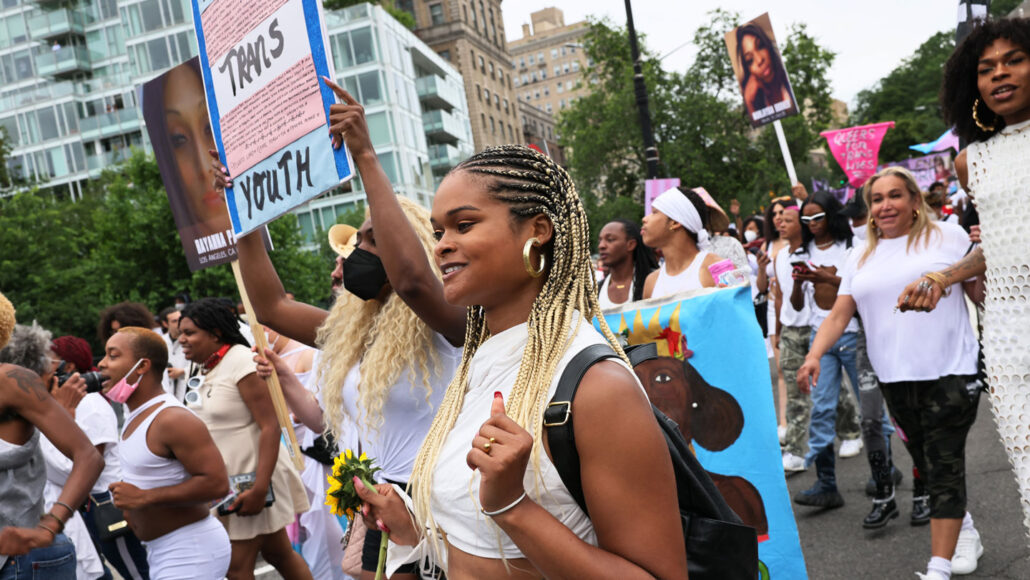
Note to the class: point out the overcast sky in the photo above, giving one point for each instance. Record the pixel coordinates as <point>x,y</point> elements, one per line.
<point>870,37</point>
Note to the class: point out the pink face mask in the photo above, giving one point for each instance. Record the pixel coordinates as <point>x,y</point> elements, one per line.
<point>122,390</point>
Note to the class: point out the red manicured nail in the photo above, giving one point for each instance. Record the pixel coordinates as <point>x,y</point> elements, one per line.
<point>382,527</point>
<point>498,395</point>
<point>358,484</point>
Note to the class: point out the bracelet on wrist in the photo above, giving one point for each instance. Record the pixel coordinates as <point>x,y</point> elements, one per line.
<point>505,508</point>
<point>940,280</point>
<point>60,522</point>
<point>47,528</point>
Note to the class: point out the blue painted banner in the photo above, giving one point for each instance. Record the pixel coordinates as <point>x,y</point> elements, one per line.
<point>712,378</point>
<point>262,63</point>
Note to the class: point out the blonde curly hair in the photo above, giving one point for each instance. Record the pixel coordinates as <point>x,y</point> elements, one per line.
<point>384,338</point>
<point>7,320</point>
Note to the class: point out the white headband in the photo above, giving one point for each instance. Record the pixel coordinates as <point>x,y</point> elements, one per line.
<point>674,204</point>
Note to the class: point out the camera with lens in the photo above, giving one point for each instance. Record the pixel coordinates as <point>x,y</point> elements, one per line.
<point>94,380</point>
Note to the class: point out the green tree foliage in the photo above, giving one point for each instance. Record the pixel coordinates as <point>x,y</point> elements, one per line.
<point>702,134</point>
<point>1001,8</point>
<point>62,262</point>
<point>405,18</point>
<point>908,96</point>
<point>5,150</point>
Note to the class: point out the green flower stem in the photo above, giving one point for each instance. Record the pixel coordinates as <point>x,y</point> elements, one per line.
<point>384,541</point>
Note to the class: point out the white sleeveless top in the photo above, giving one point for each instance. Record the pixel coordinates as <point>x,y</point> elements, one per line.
<point>140,466</point>
<point>689,279</point>
<point>455,499</point>
<point>602,296</point>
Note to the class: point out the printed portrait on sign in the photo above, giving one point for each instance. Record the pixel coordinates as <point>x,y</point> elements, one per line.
<point>760,73</point>
<point>175,111</point>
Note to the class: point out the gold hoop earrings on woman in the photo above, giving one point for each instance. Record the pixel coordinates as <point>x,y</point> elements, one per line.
<point>976,118</point>
<point>527,261</point>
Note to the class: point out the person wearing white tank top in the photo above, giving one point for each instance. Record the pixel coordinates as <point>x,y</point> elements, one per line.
<point>171,469</point>
<point>677,227</point>
<point>486,500</point>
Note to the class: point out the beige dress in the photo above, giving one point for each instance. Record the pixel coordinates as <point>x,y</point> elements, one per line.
<point>236,435</point>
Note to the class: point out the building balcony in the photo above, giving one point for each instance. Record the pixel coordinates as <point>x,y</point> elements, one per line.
<point>437,93</point>
<point>39,94</point>
<point>51,24</point>
<point>442,127</point>
<point>97,163</point>
<point>110,124</point>
<point>443,158</point>
<point>65,61</point>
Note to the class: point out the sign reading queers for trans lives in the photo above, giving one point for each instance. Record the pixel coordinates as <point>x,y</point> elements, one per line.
<point>262,63</point>
<point>712,378</point>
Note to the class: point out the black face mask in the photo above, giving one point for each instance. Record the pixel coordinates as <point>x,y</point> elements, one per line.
<point>363,274</point>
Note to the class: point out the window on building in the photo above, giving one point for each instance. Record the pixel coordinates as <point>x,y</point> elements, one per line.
<point>568,85</point>
<point>473,14</point>
<point>371,88</point>
<point>537,94</point>
<point>540,57</point>
<point>563,50</point>
<point>446,55</point>
<point>486,94</point>
<point>554,53</point>
<point>483,116</point>
<point>522,62</point>
<point>575,66</point>
<point>491,69</point>
<point>516,82</point>
<point>364,46</point>
<point>379,129</point>
<point>493,127</point>
<point>561,102</point>
<point>465,13</point>
<point>565,68</point>
<point>532,59</point>
<point>549,107</point>
<point>479,93</point>
<point>436,14</point>
<point>543,74</point>
<point>505,105</point>
<point>550,134</point>
<point>559,88</point>
<point>547,92</point>
<point>557,70</point>
<point>482,65</point>
<point>525,79</point>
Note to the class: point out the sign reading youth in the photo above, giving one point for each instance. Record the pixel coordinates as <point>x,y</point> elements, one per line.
<point>856,150</point>
<point>262,61</point>
<point>760,73</point>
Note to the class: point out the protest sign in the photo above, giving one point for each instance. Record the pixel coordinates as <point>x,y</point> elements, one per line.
<point>843,194</point>
<point>856,149</point>
<point>712,379</point>
<point>177,122</point>
<point>655,187</point>
<point>262,63</point>
<point>928,169</point>
<point>760,73</point>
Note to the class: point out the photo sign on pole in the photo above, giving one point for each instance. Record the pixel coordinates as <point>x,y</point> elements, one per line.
<point>655,187</point>
<point>856,150</point>
<point>262,63</point>
<point>760,73</point>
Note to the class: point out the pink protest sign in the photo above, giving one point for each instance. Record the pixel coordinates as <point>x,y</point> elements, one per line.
<point>655,187</point>
<point>856,149</point>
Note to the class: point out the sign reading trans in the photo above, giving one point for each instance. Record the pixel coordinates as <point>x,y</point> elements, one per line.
<point>262,61</point>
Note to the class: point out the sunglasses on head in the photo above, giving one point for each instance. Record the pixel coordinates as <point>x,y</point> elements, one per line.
<point>813,218</point>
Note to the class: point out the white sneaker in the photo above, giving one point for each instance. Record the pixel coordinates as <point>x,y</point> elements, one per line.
<point>792,463</point>
<point>781,431</point>
<point>850,447</point>
<point>931,575</point>
<point>967,552</point>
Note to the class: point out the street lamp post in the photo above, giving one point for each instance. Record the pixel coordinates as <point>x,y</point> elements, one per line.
<point>650,151</point>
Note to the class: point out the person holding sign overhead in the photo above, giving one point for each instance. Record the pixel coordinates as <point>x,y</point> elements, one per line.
<point>391,343</point>
<point>678,227</point>
<point>514,245</point>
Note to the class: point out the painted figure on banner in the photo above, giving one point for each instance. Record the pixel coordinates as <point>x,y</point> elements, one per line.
<point>760,72</point>
<point>711,395</point>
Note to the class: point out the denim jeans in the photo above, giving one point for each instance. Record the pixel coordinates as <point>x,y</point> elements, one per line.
<point>54,562</point>
<point>840,358</point>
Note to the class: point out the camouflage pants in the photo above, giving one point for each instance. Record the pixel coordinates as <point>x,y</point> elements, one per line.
<point>793,348</point>
<point>934,418</point>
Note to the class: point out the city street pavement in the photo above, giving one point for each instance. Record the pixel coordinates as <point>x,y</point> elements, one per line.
<point>836,546</point>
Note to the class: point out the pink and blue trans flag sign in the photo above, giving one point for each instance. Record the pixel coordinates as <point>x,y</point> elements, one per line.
<point>262,63</point>
<point>712,378</point>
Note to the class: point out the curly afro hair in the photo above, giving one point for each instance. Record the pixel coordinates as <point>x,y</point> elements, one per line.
<point>959,90</point>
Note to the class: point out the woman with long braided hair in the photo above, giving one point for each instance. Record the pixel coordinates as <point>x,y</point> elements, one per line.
<point>514,250</point>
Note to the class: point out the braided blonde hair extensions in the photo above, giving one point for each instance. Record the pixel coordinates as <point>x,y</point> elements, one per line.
<point>532,184</point>
<point>384,338</point>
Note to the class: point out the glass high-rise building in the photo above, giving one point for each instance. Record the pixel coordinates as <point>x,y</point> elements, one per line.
<point>69,73</point>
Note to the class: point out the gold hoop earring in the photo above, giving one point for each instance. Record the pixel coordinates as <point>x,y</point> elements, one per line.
<point>976,118</point>
<point>530,244</point>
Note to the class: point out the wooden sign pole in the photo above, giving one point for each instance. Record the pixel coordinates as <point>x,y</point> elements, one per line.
<point>787,160</point>
<point>282,412</point>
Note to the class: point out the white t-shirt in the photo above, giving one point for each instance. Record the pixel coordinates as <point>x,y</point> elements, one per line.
<point>835,256</point>
<point>407,415</point>
<point>912,346</point>
<point>783,269</point>
<point>97,420</point>
<point>860,231</point>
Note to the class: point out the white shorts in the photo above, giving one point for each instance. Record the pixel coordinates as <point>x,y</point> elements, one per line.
<point>199,551</point>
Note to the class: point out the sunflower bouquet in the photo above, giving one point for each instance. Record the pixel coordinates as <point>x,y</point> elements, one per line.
<point>342,498</point>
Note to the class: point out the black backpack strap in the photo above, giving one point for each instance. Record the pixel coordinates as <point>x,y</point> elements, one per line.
<point>561,438</point>
<point>558,418</point>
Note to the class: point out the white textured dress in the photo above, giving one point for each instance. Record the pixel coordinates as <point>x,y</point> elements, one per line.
<point>999,178</point>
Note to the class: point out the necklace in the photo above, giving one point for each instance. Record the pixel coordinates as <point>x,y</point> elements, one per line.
<point>826,245</point>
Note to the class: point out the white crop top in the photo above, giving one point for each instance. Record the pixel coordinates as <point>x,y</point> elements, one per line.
<point>455,499</point>
<point>688,279</point>
<point>140,466</point>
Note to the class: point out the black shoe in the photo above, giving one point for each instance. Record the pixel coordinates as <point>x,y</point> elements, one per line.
<point>884,510</point>
<point>819,496</point>
<point>870,486</point>
<point>920,511</point>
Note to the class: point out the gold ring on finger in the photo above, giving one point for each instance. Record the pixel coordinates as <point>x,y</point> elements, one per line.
<point>489,445</point>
